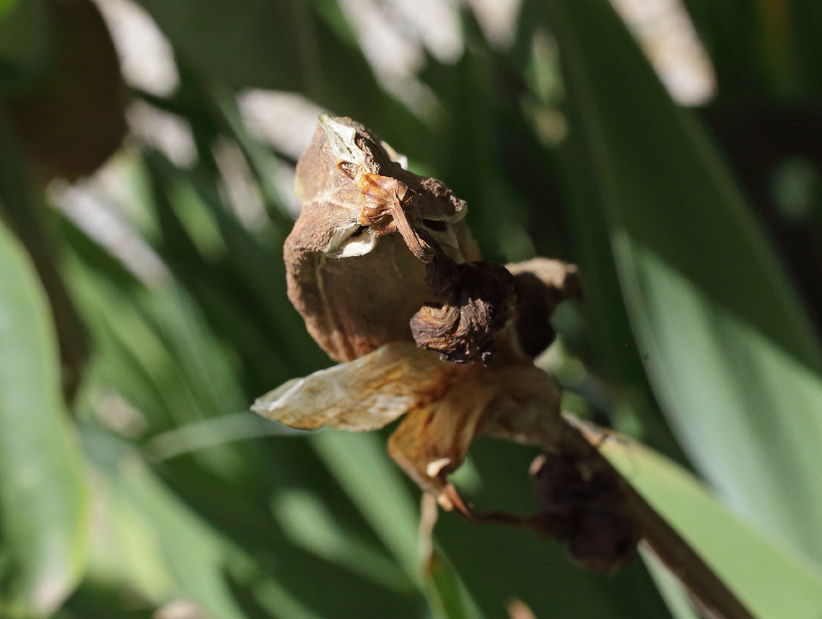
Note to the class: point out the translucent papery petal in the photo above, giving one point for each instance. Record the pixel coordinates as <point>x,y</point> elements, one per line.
<point>519,403</point>
<point>364,394</point>
<point>432,441</point>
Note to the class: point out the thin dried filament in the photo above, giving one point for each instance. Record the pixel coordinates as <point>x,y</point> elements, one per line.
<point>387,208</point>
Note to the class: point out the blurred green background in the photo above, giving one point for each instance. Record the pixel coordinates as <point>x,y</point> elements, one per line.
<point>147,153</point>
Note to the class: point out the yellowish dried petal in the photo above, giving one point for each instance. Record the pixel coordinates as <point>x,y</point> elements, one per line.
<point>361,395</point>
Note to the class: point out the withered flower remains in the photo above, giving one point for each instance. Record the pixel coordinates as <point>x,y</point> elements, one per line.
<point>389,280</point>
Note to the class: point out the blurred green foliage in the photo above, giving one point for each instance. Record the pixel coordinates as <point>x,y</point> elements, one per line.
<point>148,489</point>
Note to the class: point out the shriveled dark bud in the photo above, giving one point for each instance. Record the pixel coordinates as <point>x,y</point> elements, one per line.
<point>588,514</point>
<point>478,298</point>
<point>534,307</point>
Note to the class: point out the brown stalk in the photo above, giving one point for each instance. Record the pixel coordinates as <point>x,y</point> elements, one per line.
<point>707,591</point>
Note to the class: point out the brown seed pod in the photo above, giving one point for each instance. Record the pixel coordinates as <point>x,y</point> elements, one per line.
<point>355,260</point>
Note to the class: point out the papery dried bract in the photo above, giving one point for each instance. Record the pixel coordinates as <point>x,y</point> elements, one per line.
<point>519,403</point>
<point>361,395</point>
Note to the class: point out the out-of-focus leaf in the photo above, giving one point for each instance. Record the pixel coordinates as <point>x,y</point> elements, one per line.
<point>94,602</point>
<point>24,41</point>
<point>658,177</point>
<point>195,556</point>
<point>260,269</point>
<point>467,157</point>
<point>129,357</point>
<point>447,594</point>
<point>245,43</point>
<point>676,598</point>
<point>733,37</point>
<point>229,300</point>
<point>345,85</point>
<point>306,520</point>
<point>73,119</point>
<point>6,6</point>
<point>27,219</point>
<point>376,486</point>
<point>241,515</point>
<point>193,437</point>
<point>770,579</point>
<point>43,495</point>
<point>761,51</point>
<point>727,345</point>
<point>262,162</point>
<point>727,382</point>
<point>125,551</point>
<point>806,22</point>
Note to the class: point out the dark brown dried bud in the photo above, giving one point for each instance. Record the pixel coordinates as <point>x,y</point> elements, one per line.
<point>588,514</point>
<point>477,301</point>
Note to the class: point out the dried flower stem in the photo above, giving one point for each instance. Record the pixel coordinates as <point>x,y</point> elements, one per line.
<point>707,591</point>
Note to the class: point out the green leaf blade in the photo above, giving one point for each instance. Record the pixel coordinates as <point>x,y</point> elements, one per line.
<point>730,353</point>
<point>24,42</point>
<point>44,502</point>
<point>660,179</point>
<point>769,578</point>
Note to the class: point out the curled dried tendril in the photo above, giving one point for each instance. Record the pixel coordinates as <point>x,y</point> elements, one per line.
<point>388,207</point>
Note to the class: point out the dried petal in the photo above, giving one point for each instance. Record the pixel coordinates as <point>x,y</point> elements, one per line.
<point>541,285</point>
<point>432,441</point>
<point>519,403</point>
<point>361,395</point>
<point>526,408</point>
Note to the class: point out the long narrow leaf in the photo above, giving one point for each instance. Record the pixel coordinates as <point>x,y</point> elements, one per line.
<point>770,580</point>
<point>728,348</point>
<point>43,494</point>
